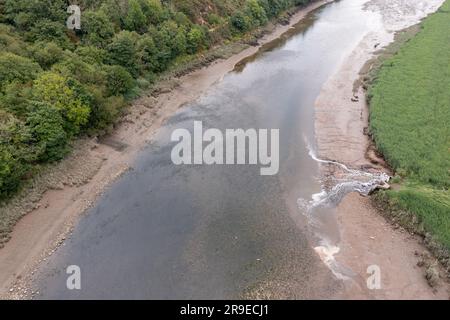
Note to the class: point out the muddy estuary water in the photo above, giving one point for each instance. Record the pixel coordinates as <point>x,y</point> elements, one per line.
<point>224,231</point>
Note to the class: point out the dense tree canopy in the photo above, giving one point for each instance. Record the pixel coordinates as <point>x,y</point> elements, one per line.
<point>57,83</point>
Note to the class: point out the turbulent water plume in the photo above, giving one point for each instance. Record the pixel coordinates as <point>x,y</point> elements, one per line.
<point>338,181</point>
<point>341,181</point>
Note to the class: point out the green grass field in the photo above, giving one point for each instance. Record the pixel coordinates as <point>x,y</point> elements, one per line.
<point>410,123</point>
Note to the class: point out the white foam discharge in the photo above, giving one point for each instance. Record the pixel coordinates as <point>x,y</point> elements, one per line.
<point>353,181</point>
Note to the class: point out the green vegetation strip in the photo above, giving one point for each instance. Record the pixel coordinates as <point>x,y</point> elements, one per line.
<point>410,123</point>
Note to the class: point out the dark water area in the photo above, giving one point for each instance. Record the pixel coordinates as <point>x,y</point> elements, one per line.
<point>222,231</point>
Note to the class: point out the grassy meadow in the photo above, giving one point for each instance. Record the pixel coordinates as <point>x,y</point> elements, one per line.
<point>410,123</point>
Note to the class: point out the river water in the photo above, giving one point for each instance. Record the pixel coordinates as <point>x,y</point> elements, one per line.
<point>222,231</point>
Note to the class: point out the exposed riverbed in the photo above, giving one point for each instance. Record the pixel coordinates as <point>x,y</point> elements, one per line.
<point>165,231</point>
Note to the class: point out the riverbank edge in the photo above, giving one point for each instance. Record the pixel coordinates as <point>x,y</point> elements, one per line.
<point>380,200</point>
<point>15,284</point>
<point>29,195</point>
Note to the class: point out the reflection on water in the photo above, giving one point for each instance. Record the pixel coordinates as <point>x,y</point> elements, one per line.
<point>166,231</point>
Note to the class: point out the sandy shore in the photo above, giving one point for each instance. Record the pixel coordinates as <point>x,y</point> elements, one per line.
<point>366,238</point>
<point>40,232</point>
<point>341,121</point>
